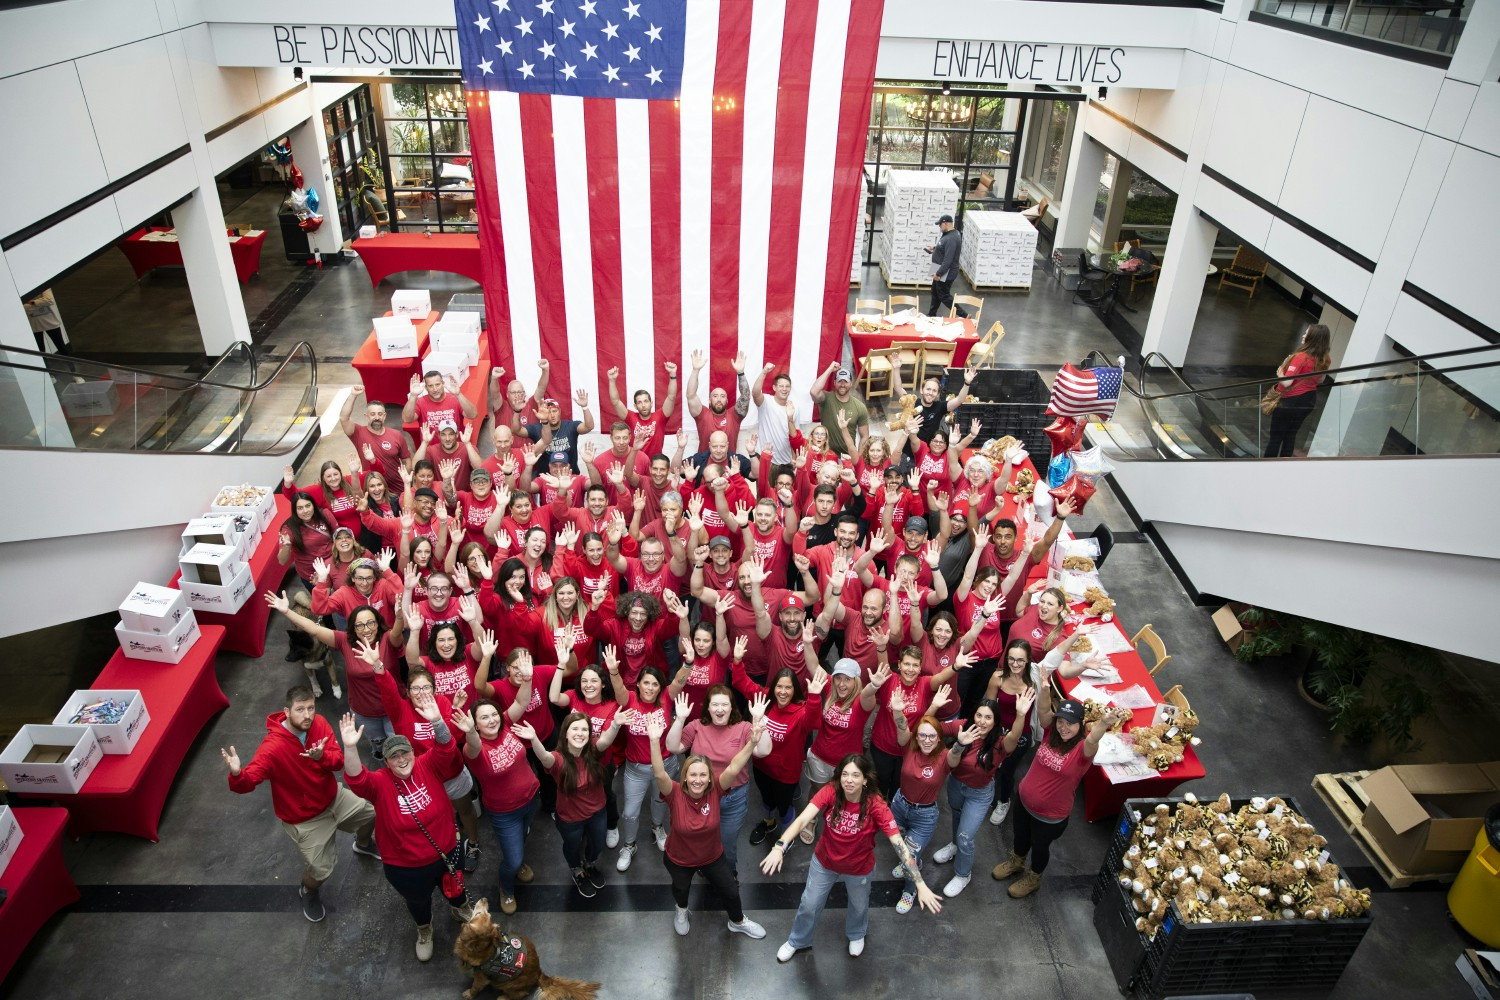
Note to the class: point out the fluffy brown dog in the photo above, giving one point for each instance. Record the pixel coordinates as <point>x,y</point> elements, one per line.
<point>509,963</point>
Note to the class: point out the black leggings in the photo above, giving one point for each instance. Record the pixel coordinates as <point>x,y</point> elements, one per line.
<point>720,876</point>
<point>415,886</point>
<point>1005,781</point>
<point>1286,421</point>
<point>777,796</point>
<point>544,777</point>
<point>1034,836</point>
<point>611,805</point>
<point>887,772</point>
<point>969,687</point>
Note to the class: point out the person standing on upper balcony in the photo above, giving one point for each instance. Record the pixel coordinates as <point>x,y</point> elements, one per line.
<point>1300,375</point>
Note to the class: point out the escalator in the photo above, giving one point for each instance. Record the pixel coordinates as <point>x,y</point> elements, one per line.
<point>1380,520</point>
<point>105,463</point>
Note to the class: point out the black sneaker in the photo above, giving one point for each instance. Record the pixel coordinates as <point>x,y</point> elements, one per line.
<point>312,904</point>
<point>471,855</point>
<point>372,850</point>
<point>583,885</point>
<point>592,873</point>
<point>762,830</point>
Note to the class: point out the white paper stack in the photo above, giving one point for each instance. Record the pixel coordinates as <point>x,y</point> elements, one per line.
<point>396,337</point>
<point>998,249</point>
<point>914,201</point>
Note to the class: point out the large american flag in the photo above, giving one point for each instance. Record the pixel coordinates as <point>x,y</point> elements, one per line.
<point>664,176</point>
<point>1077,392</point>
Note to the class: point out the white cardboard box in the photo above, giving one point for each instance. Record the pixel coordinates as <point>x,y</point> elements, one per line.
<point>153,609</point>
<point>265,509</point>
<point>462,317</point>
<point>214,564</point>
<point>396,337</point>
<point>453,338</point>
<point>88,399</point>
<point>169,647</point>
<point>63,778</point>
<point>218,530</point>
<point>448,363</point>
<point>10,836</point>
<point>224,599</point>
<point>367,232</point>
<point>415,303</point>
<point>115,737</point>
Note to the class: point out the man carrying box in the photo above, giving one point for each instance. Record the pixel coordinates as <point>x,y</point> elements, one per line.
<point>300,756</point>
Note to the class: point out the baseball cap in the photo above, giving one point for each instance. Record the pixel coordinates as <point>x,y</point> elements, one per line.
<point>918,523</point>
<point>944,218</point>
<point>719,540</point>
<point>1072,710</point>
<point>480,473</point>
<point>842,375</point>
<point>791,601</point>
<point>549,401</point>
<point>960,508</point>
<point>395,744</point>
<point>846,668</point>
<point>560,456</point>
<point>425,491</point>
<point>447,425</point>
<point>343,530</point>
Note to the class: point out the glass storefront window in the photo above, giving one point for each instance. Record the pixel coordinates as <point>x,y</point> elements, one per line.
<point>1429,25</point>
<point>427,142</point>
<point>1053,157</point>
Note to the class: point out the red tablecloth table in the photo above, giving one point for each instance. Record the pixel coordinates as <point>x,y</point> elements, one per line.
<point>456,253</point>
<point>147,254</point>
<point>126,792</point>
<point>245,630</point>
<point>864,343</point>
<point>36,881</point>
<point>476,389</point>
<point>389,381</point>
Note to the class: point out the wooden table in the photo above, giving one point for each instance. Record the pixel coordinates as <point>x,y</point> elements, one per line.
<point>245,630</point>
<point>864,343</point>
<point>391,253</point>
<point>144,254</point>
<point>389,380</point>
<point>127,792</point>
<point>36,881</point>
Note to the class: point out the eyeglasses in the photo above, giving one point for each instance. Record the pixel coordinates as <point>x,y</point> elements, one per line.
<point>421,689</point>
<point>440,590</point>
<point>364,626</point>
<point>927,737</point>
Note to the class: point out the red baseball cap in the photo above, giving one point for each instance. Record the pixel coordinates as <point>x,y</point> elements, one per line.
<point>791,601</point>
<point>959,509</point>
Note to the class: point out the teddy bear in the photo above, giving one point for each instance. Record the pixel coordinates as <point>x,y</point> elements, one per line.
<point>1101,605</point>
<point>908,404</point>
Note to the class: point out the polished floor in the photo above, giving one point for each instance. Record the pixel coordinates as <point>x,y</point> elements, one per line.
<point>212,910</point>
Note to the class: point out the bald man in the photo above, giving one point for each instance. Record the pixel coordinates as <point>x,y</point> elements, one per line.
<point>514,408</point>
<point>718,453</point>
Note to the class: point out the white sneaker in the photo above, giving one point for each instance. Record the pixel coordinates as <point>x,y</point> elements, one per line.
<point>945,854</point>
<point>660,833</point>
<point>424,943</point>
<point>856,948</point>
<point>998,815</point>
<point>612,837</point>
<point>955,885</point>
<point>680,922</point>
<point>749,928</point>
<point>785,952</point>
<point>626,853</point>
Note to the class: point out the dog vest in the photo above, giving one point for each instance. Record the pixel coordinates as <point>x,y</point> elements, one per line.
<point>507,961</point>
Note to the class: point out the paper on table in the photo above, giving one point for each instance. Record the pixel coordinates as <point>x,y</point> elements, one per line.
<point>903,318</point>
<point>256,232</point>
<point>1102,672</point>
<point>234,239</point>
<point>1084,691</point>
<point>1133,697</point>
<point>1136,770</point>
<point>1107,639</point>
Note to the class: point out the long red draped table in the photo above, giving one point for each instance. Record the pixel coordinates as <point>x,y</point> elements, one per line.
<point>245,629</point>
<point>879,340</point>
<point>1102,799</point>
<point>127,792</point>
<point>36,881</point>
<point>392,253</point>
<point>388,380</point>
<point>144,254</point>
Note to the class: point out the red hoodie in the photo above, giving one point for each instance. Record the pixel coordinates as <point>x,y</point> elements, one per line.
<point>402,842</point>
<point>300,786</point>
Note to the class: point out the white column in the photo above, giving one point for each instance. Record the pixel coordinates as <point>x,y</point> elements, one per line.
<point>1085,164</point>
<point>30,414</point>
<point>1119,196</point>
<point>210,266</point>
<point>1174,309</point>
<point>310,151</point>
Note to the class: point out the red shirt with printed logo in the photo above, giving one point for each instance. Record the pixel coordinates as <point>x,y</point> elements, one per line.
<point>847,846</point>
<point>538,712</point>
<point>788,728</point>
<point>914,705</point>
<point>402,803</point>
<point>430,413</point>
<point>842,731</point>
<point>657,421</point>
<point>987,646</point>
<point>1050,783</point>
<point>404,719</point>
<point>390,446</point>
<point>637,743</point>
<point>693,838</point>
<point>922,776</point>
<point>585,800</point>
<point>636,650</point>
<point>506,781</point>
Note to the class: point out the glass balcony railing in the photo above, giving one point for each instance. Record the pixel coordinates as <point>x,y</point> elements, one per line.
<point>53,401</point>
<point>1425,25</point>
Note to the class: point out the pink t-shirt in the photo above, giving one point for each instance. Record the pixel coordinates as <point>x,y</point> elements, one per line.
<point>719,744</point>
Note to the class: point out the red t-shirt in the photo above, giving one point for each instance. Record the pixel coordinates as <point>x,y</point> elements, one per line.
<point>451,678</point>
<point>364,693</point>
<point>599,719</point>
<point>922,776</point>
<point>460,454</point>
<point>390,447</point>
<point>603,463</point>
<point>933,469</point>
<point>708,421</point>
<point>637,743</point>
<point>538,712</point>
<point>988,645</point>
<point>842,731</point>
<point>430,413</point>
<point>782,651</point>
<point>693,840</point>
<point>506,781</point>
<point>637,578</point>
<point>1035,631</point>
<point>1007,704</point>
<point>740,621</point>
<point>637,650</point>
<point>657,421</point>
<point>989,557</point>
<point>934,660</point>
<point>772,549</point>
<point>1050,783</point>
<point>788,728</point>
<point>847,846</point>
<point>704,673</point>
<point>853,591</point>
<point>914,705</point>
<point>969,771</point>
<point>404,718</point>
<point>587,799</point>
<point>859,645</point>
<point>477,514</point>
<point>1301,363</point>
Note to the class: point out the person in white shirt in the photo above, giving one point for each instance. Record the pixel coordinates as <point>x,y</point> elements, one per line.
<point>777,415</point>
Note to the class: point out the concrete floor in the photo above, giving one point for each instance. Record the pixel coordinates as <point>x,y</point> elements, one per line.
<point>200,913</point>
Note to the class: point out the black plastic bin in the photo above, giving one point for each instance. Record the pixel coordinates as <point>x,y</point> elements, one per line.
<point>1279,957</point>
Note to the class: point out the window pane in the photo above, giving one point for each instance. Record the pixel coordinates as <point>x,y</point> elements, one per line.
<point>408,136</point>
<point>989,113</point>
<point>411,171</point>
<point>406,100</point>
<point>1049,171</point>
<point>450,136</point>
<point>446,101</point>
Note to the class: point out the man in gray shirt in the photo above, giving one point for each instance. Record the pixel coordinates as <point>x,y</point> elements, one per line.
<point>944,267</point>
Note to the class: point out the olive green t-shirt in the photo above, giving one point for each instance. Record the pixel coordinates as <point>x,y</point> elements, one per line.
<point>858,417</point>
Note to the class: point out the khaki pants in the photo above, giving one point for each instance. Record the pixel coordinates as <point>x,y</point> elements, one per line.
<point>315,837</point>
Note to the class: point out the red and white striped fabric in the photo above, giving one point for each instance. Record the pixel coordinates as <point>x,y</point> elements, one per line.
<point>630,233</point>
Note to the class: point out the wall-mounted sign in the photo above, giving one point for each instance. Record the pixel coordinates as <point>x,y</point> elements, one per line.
<point>971,60</point>
<point>407,46</point>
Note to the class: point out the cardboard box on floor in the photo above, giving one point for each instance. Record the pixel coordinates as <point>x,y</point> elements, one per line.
<point>1425,816</point>
<point>1230,630</point>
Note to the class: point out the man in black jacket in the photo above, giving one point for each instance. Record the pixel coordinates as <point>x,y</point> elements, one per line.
<point>944,266</point>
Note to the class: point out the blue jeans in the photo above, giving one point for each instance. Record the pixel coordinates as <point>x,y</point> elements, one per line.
<point>733,806</point>
<point>377,728</point>
<point>917,823</point>
<point>639,783</point>
<point>968,806</point>
<point>582,840</point>
<point>819,883</point>
<point>511,829</point>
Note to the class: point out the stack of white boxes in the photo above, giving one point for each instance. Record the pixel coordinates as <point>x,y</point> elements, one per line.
<point>456,333</point>
<point>215,578</point>
<point>156,623</point>
<point>914,201</point>
<point>856,278</point>
<point>998,248</point>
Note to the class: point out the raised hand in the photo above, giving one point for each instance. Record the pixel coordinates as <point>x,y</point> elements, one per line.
<point>468,609</point>
<point>968,735</point>
<point>524,731</point>
<point>369,454</point>
<point>881,675</point>
<point>897,701</point>
<point>289,476</point>
<point>741,644</point>
<point>349,732</point>
<point>817,682</point>
<point>738,364</point>
<point>589,451</point>
<point>1025,700</point>
<point>671,369</point>
<point>314,751</point>
<point>931,553</point>
<point>231,758</point>
<point>682,703</point>
<point>447,468</point>
<point>758,705</point>
<point>371,656</point>
<point>408,521</point>
<point>459,719</point>
<point>611,659</point>
<point>942,697</point>
<point>487,643</point>
<point>699,361</point>
<point>385,558</point>
<point>278,602</point>
<point>581,397</point>
<point>674,605</point>
<point>655,727</point>
<point>725,605</point>
<point>799,458</point>
<point>461,578</point>
<point>320,569</point>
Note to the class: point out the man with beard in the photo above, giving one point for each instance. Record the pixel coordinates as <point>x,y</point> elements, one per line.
<point>717,415</point>
<point>382,448</point>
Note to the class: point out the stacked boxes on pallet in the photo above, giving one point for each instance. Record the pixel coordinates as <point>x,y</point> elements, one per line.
<point>998,249</point>
<point>914,201</point>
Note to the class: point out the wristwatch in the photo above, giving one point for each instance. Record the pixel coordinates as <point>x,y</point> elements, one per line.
<point>783,844</point>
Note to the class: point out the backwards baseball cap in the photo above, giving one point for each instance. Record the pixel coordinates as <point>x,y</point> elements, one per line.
<point>918,523</point>
<point>719,540</point>
<point>944,218</point>
<point>1072,710</point>
<point>842,375</point>
<point>549,401</point>
<point>394,745</point>
<point>560,456</point>
<point>447,425</point>
<point>425,491</point>
<point>846,668</point>
<point>791,601</point>
<point>343,530</point>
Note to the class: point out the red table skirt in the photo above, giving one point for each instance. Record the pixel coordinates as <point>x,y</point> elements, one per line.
<point>864,343</point>
<point>245,630</point>
<point>36,882</point>
<point>456,253</point>
<point>389,381</point>
<point>127,792</point>
<point>145,255</point>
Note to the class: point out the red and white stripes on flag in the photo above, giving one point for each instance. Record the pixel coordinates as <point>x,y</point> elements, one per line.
<point>630,233</point>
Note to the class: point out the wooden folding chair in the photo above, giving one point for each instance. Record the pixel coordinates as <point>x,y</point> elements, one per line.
<point>876,373</point>
<point>907,354</point>
<point>1153,642</point>
<point>983,353</point>
<point>909,301</point>
<point>876,306</point>
<point>1245,271</point>
<point>972,302</point>
<point>934,356</point>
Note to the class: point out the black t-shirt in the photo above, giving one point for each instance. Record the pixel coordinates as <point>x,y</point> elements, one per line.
<point>564,438</point>
<point>934,416</point>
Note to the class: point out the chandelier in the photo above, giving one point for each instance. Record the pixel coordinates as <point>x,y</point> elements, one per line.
<point>940,110</point>
<point>449,101</point>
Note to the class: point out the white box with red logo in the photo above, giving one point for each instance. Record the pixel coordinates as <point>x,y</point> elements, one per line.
<point>10,836</point>
<point>447,363</point>
<point>68,755</point>
<point>236,531</point>
<point>114,737</point>
<point>162,647</point>
<point>263,506</point>
<point>215,578</point>
<point>448,337</point>
<point>153,609</point>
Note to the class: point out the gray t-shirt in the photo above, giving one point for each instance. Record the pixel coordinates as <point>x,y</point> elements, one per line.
<point>953,560</point>
<point>772,429</point>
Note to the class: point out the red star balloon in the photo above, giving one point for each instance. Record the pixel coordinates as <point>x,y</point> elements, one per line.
<point>1065,433</point>
<point>1076,490</point>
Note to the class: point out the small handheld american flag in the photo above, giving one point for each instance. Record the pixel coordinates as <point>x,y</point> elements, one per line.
<point>1078,392</point>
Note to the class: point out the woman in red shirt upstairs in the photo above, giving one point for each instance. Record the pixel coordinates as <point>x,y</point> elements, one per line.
<point>1047,791</point>
<point>1300,375</point>
<point>694,846</point>
<point>413,820</point>
<point>853,813</point>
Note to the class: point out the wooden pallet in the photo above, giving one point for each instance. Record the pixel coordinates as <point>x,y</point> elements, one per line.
<point>997,289</point>
<point>886,274</point>
<point>1342,793</point>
